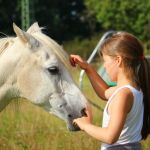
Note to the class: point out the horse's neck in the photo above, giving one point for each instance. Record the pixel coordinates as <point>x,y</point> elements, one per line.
<point>7,93</point>
<point>7,78</point>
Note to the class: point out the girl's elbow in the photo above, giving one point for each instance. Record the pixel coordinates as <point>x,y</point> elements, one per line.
<point>111,140</point>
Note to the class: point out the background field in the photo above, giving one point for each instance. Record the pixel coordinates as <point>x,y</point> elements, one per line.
<point>24,126</point>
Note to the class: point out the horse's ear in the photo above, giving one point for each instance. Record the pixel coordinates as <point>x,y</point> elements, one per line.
<point>34,28</point>
<point>25,37</point>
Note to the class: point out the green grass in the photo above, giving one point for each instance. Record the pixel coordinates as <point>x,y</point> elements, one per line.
<point>28,127</point>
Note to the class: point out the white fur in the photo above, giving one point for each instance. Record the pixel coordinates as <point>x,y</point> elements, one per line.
<point>24,64</point>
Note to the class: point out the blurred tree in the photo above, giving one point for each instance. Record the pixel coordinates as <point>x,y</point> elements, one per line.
<point>9,13</point>
<point>64,19</point>
<point>132,16</point>
<point>67,19</point>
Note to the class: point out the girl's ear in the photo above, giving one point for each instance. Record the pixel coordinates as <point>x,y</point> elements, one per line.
<point>119,60</point>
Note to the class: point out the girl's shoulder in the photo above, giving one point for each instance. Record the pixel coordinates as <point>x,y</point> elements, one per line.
<point>123,99</point>
<point>128,89</point>
<point>110,91</point>
<point>123,92</point>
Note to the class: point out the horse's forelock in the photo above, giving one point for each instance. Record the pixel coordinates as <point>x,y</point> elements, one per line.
<point>57,49</point>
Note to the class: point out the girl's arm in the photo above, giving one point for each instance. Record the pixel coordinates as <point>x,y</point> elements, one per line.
<point>118,110</point>
<point>97,82</point>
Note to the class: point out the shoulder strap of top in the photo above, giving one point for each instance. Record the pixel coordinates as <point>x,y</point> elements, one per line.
<point>117,90</point>
<point>133,90</point>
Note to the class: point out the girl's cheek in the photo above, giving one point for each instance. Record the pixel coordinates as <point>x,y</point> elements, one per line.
<point>107,66</point>
<point>111,70</point>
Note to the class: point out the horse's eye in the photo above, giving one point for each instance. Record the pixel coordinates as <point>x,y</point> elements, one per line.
<point>53,70</point>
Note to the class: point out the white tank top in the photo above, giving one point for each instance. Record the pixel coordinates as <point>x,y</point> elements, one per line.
<point>132,128</point>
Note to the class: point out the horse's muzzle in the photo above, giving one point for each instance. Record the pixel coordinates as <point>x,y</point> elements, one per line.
<point>74,126</point>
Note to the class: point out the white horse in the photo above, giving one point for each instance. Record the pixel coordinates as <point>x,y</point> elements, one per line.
<point>35,67</point>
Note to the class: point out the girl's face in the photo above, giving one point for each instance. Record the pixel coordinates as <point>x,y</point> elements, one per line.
<point>110,64</point>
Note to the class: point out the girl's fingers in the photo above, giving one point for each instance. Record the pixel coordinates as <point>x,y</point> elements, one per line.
<point>77,60</point>
<point>72,61</point>
<point>74,122</point>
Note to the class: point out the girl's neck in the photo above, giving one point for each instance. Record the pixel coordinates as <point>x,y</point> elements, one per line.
<point>123,80</point>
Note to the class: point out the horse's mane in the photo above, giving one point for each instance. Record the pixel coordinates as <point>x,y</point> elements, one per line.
<point>4,43</point>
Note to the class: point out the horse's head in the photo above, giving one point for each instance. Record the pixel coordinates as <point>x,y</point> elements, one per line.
<point>42,74</point>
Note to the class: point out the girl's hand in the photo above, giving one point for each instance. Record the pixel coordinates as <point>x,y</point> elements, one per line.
<point>77,60</point>
<point>81,122</point>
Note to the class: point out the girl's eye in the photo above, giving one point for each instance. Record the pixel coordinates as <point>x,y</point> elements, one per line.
<point>53,70</point>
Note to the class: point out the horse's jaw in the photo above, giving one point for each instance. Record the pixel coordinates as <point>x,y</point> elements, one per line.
<point>65,110</point>
<point>60,110</point>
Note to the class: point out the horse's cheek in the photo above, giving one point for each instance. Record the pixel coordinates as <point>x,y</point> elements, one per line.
<point>28,83</point>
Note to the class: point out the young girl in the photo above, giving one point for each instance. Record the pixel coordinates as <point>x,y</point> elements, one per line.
<point>126,117</point>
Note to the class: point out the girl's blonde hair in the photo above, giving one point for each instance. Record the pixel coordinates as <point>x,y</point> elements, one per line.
<point>136,67</point>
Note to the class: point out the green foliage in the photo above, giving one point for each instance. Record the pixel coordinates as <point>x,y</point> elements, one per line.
<point>9,11</point>
<point>63,20</point>
<point>147,48</point>
<point>69,19</point>
<point>132,16</point>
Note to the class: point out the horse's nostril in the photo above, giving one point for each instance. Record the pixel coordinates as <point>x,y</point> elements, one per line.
<point>83,113</point>
<point>70,116</point>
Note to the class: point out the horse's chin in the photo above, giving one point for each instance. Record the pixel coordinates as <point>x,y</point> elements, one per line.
<point>72,127</point>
